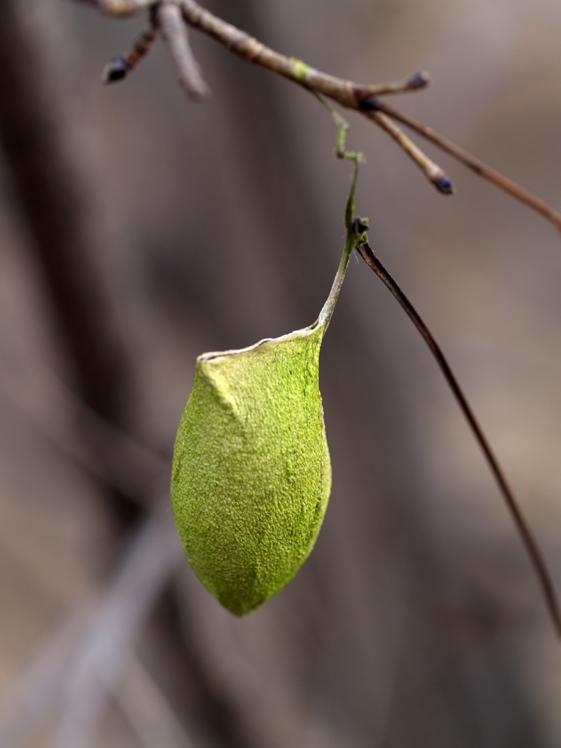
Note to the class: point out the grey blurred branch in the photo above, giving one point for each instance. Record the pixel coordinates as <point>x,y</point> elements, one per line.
<point>52,186</point>
<point>53,197</point>
<point>174,33</point>
<point>105,450</point>
<point>109,643</point>
<point>91,652</point>
<point>147,709</point>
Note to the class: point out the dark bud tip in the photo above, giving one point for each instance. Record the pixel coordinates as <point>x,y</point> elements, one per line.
<point>369,104</point>
<point>445,185</point>
<point>419,80</point>
<point>115,70</point>
<point>360,225</point>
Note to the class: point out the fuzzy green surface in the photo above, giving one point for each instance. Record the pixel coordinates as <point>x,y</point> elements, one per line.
<point>251,471</point>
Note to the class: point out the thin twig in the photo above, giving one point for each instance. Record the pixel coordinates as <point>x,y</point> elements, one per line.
<point>353,96</point>
<point>119,67</point>
<point>345,92</point>
<point>520,521</point>
<point>120,7</point>
<point>174,33</point>
<point>432,171</point>
<point>476,165</point>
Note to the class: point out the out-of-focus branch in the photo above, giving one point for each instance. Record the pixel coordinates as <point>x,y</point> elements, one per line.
<point>141,578</point>
<point>121,65</point>
<point>174,33</point>
<point>88,655</point>
<point>145,706</point>
<point>56,209</point>
<point>36,692</point>
<point>104,449</point>
<point>59,214</point>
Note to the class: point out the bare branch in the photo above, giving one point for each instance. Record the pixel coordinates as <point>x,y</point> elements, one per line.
<point>432,171</point>
<point>119,67</point>
<point>476,165</point>
<point>357,96</point>
<point>119,7</point>
<point>346,93</point>
<point>174,33</point>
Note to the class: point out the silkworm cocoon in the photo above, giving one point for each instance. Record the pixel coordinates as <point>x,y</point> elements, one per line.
<point>251,471</point>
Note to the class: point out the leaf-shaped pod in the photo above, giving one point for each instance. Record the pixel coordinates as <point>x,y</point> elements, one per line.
<point>251,473</point>
<point>251,470</point>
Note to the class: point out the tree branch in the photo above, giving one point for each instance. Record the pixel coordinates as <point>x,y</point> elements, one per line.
<point>472,162</point>
<point>360,97</point>
<point>174,33</point>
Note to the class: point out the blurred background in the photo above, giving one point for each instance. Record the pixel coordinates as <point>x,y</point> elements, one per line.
<point>138,230</point>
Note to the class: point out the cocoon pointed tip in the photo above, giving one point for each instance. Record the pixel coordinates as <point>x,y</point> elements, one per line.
<point>251,470</point>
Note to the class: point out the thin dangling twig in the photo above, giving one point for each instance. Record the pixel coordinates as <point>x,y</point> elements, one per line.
<point>522,525</point>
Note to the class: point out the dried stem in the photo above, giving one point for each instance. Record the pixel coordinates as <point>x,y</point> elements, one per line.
<point>432,171</point>
<point>476,165</point>
<point>120,7</point>
<point>119,67</point>
<point>520,521</point>
<point>174,33</point>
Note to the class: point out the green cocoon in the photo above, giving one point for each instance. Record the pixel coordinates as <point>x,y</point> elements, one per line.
<point>251,472</point>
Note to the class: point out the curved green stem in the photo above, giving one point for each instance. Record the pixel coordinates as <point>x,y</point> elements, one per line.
<point>356,234</point>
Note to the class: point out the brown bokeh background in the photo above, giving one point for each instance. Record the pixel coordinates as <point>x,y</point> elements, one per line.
<point>170,229</point>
